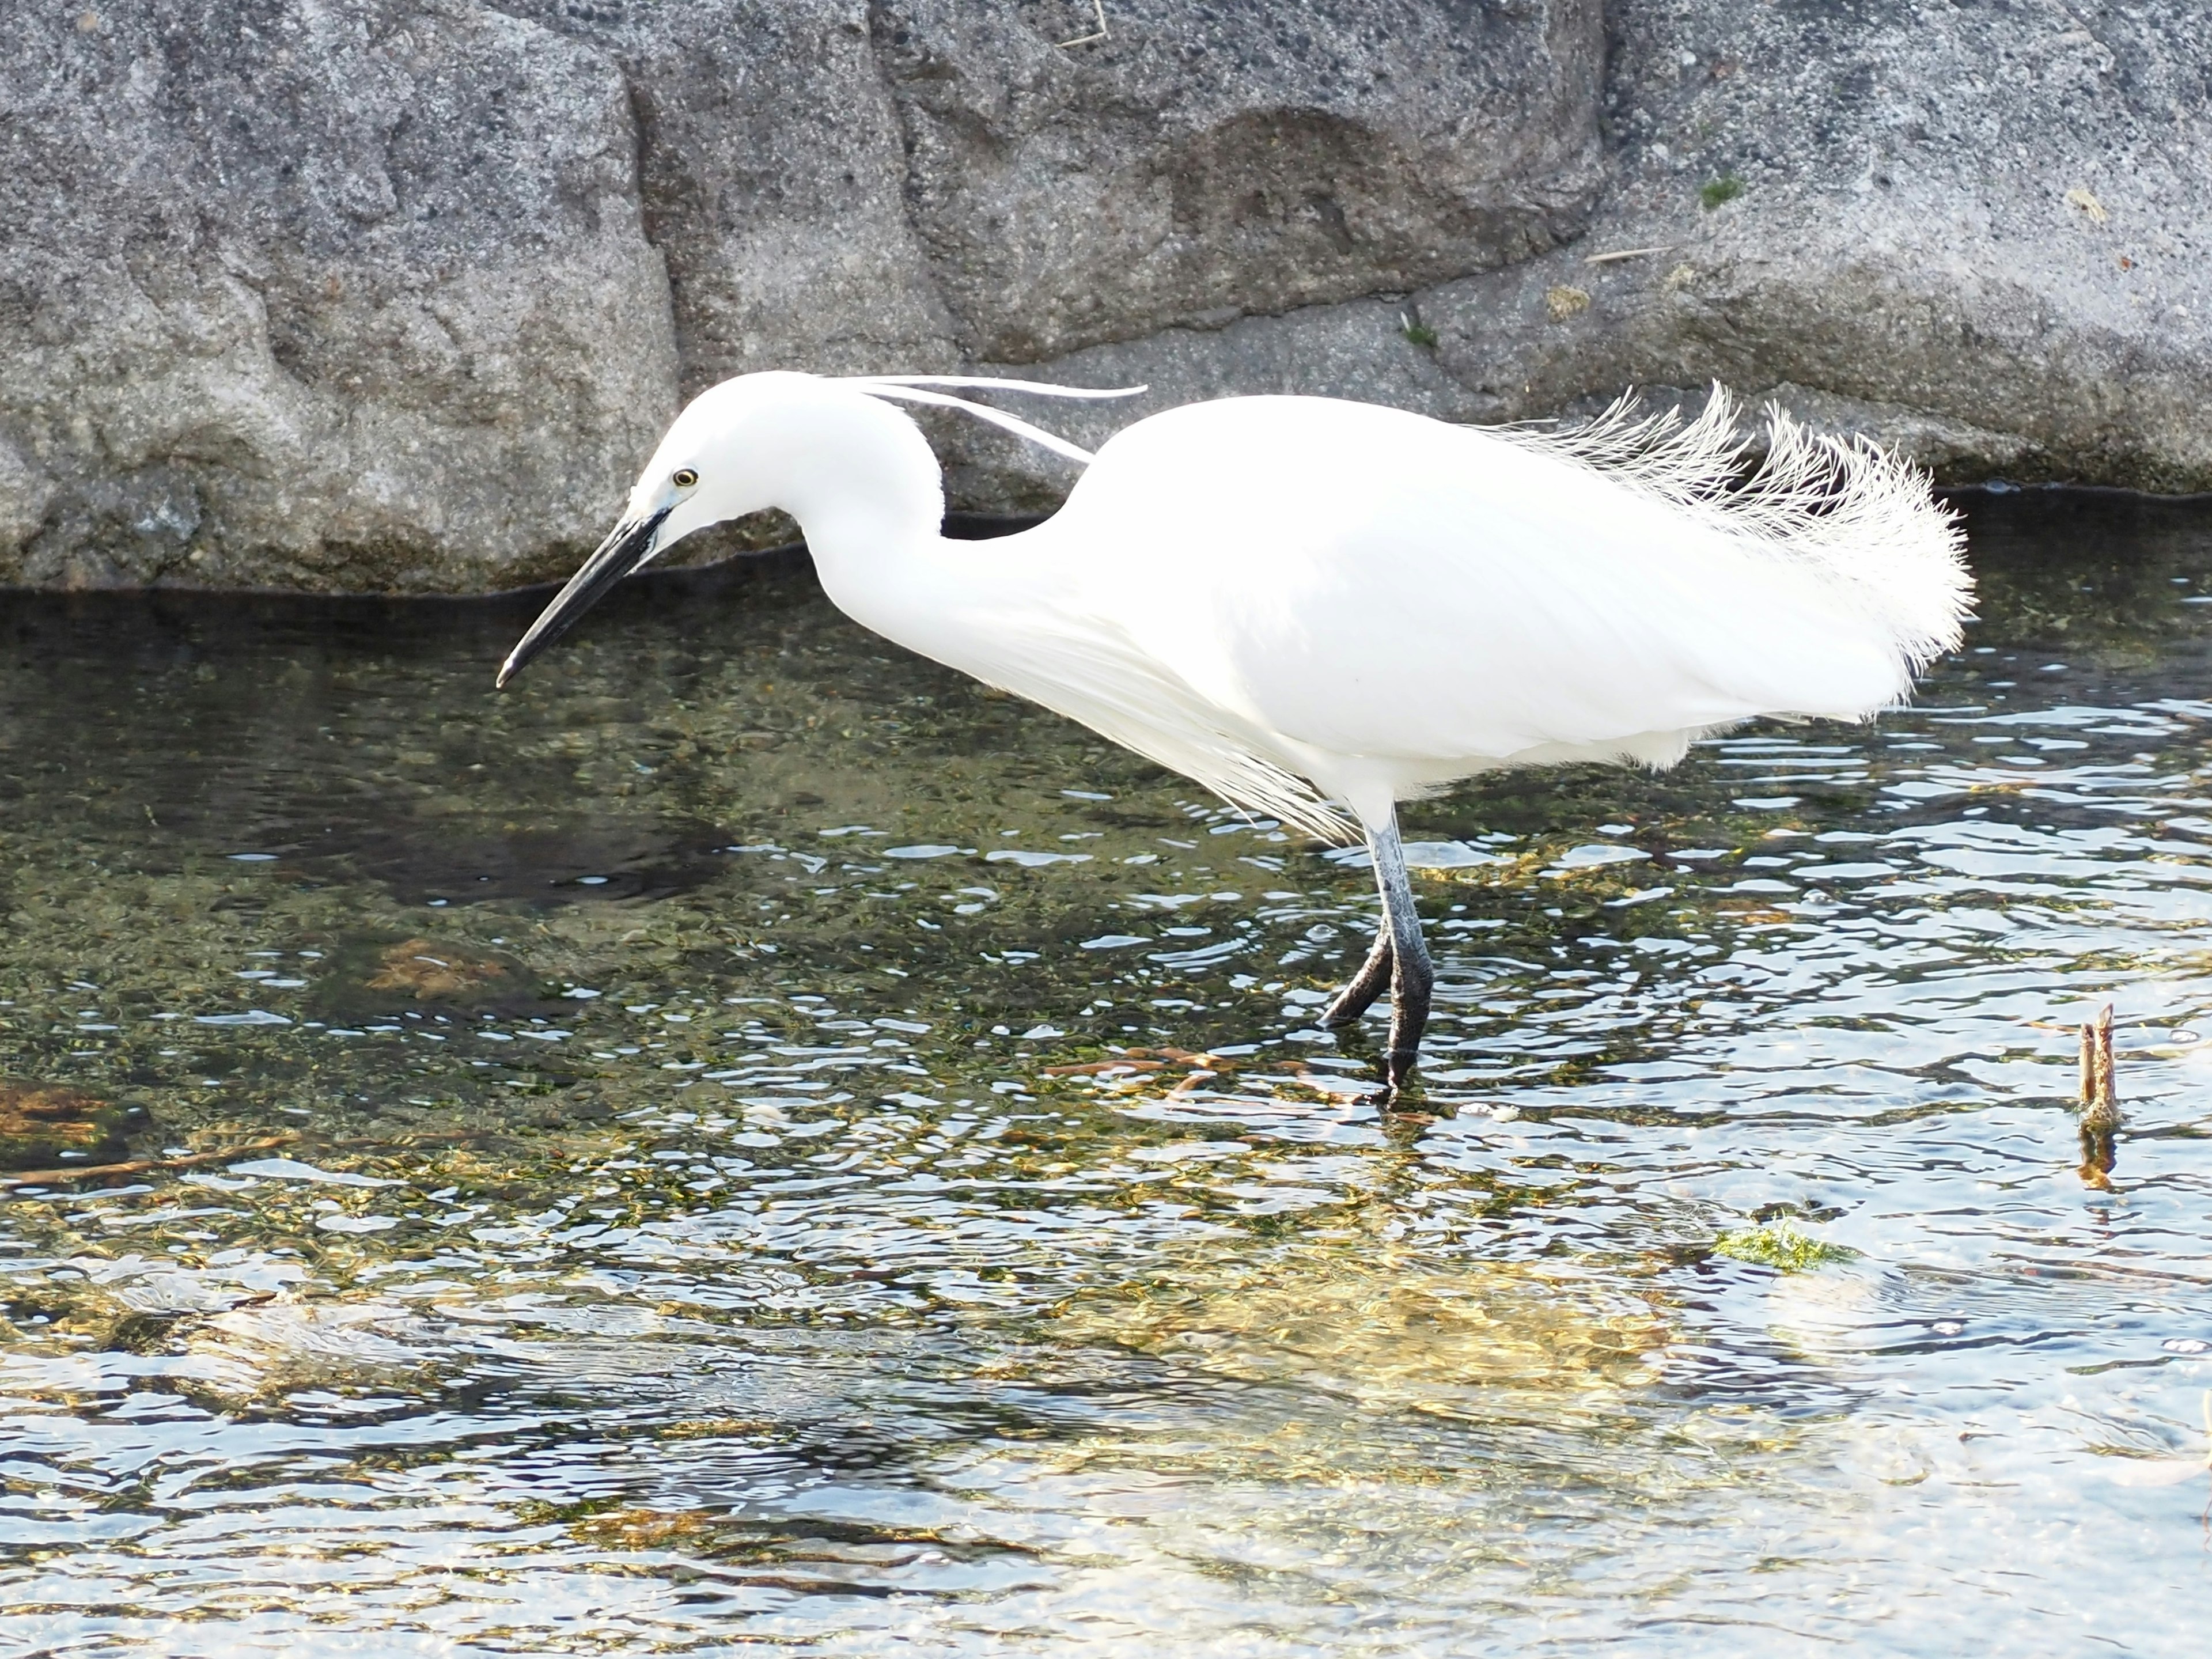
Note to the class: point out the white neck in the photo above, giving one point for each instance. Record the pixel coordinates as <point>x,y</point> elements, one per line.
<point>869,495</point>
<point>845,459</point>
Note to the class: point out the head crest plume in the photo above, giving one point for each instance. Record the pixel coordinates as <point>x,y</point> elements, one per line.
<point>922,389</point>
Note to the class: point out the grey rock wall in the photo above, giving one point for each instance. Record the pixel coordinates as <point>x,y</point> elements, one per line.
<point>1205,161</point>
<point>1980,230</point>
<point>1994,216</point>
<point>317,295</point>
<point>396,294</point>
<point>772,179</point>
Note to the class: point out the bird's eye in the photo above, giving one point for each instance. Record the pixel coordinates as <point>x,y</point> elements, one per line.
<point>685,477</point>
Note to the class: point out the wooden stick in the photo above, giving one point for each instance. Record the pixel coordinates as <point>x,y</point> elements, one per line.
<point>187,1160</point>
<point>2101,1103</point>
<point>145,1165</point>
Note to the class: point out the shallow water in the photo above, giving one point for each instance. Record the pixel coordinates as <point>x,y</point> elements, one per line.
<point>749,1142</point>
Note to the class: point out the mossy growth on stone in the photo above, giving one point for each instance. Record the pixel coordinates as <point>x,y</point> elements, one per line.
<point>1726,188</point>
<point>1562,302</point>
<point>1781,1245</point>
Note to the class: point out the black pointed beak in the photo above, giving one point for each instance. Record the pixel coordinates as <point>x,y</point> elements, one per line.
<point>629,545</point>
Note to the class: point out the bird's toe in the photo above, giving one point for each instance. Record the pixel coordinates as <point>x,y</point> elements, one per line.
<point>1398,1073</point>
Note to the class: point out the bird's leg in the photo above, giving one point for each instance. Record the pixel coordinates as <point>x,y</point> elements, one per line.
<point>1368,983</point>
<point>1412,978</point>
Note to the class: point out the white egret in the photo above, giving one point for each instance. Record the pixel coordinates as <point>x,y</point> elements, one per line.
<point>1319,608</point>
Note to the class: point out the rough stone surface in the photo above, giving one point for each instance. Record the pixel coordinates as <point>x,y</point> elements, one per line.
<point>773,178</point>
<point>1996,213</point>
<point>396,294</point>
<point>1980,230</point>
<point>1206,160</point>
<point>322,296</point>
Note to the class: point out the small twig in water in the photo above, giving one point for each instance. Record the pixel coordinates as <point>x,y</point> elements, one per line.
<point>1134,1066</point>
<point>1099,34</point>
<point>189,1160</point>
<point>143,1165</point>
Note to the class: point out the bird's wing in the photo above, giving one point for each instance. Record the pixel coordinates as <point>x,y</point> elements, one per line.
<point>1102,678</point>
<point>1364,582</point>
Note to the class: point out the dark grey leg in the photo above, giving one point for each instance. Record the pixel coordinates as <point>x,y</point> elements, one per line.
<point>1412,978</point>
<point>1368,983</point>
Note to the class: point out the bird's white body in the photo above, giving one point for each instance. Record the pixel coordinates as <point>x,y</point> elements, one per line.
<point>1298,600</point>
<point>1312,605</point>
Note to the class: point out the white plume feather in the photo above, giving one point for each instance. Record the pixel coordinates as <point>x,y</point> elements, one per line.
<point>920,389</point>
<point>1862,520</point>
<point>1040,388</point>
<point>997,418</point>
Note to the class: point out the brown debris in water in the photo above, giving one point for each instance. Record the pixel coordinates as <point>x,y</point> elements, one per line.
<point>225,1154</point>
<point>42,1122</point>
<point>430,972</point>
<point>645,1529</point>
<point>1135,1060</point>
<point>814,1560</point>
<point>1132,1064</point>
<point>2100,1106</point>
<point>143,1165</point>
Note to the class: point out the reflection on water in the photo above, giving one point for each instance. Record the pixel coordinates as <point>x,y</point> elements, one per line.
<point>747,1140</point>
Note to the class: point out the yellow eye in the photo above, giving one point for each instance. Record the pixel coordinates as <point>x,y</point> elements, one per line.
<point>685,477</point>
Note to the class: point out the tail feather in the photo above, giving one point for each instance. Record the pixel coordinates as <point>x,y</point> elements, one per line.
<point>1864,521</point>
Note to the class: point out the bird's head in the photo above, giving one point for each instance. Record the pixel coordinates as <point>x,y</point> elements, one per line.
<point>736,449</point>
<point>831,452</point>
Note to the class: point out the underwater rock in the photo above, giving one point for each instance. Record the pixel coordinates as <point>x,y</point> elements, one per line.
<point>383,973</point>
<point>431,973</point>
<point>376,976</point>
<point>50,1125</point>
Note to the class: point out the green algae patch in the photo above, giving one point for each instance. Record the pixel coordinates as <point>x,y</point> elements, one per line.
<point>1781,1246</point>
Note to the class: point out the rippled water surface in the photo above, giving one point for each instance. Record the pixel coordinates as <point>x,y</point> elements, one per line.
<point>748,1142</point>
